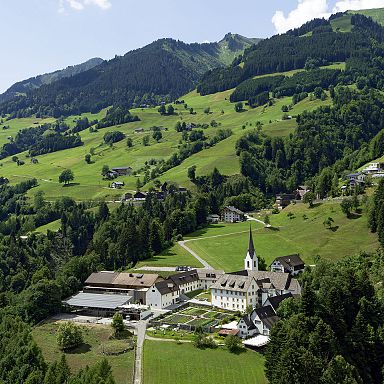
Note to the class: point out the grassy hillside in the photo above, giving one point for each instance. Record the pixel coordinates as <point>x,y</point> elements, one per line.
<point>165,361</point>
<point>95,339</point>
<point>376,14</point>
<point>88,182</point>
<point>16,124</point>
<point>225,245</point>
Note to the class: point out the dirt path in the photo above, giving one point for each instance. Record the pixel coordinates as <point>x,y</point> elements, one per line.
<point>138,374</point>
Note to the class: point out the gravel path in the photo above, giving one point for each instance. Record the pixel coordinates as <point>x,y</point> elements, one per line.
<point>194,254</point>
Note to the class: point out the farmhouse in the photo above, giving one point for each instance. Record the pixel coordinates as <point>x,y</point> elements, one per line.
<point>213,219</point>
<point>117,185</point>
<point>232,215</point>
<point>290,264</point>
<point>301,191</point>
<point>122,171</point>
<point>356,179</point>
<point>284,199</point>
<point>374,168</point>
<point>237,290</point>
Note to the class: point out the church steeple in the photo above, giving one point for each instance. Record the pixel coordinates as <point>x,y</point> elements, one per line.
<point>251,263</point>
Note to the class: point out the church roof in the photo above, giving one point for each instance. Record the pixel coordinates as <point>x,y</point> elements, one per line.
<point>251,247</point>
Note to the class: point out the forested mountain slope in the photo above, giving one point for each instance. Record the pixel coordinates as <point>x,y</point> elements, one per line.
<point>314,44</point>
<point>162,70</point>
<point>32,83</point>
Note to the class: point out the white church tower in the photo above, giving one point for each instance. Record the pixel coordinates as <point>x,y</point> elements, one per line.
<point>251,263</point>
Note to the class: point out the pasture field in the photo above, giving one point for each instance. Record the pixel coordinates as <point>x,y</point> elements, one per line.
<point>88,183</point>
<point>95,337</point>
<point>376,14</point>
<point>171,257</point>
<point>16,124</point>
<point>165,361</point>
<point>305,234</point>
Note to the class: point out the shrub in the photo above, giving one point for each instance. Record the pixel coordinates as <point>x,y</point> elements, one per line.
<point>69,335</point>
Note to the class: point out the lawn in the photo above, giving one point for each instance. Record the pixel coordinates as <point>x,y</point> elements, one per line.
<point>171,257</point>
<point>309,237</point>
<point>166,361</point>
<point>95,337</point>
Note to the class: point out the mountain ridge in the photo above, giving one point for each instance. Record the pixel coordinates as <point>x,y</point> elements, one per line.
<point>34,82</point>
<point>162,70</point>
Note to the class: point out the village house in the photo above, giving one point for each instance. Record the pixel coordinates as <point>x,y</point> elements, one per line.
<point>284,199</point>
<point>374,168</point>
<point>356,179</point>
<point>123,171</point>
<point>261,320</point>
<point>290,264</point>
<point>139,196</point>
<point>139,130</point>
<point>301,191</point>
<point>213,219</point>
<point>231,214</point>
<point>126,196</point>
<point>117,185</point>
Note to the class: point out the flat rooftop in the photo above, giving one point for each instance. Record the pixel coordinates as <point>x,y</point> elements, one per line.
<point>97,300</point>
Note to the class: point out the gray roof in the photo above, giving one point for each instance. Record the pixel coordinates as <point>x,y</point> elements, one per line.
<point>184,277</point>
<point>236,283</point>
<point>166,286</point>
<point>98,300</point>
<point>281,281</point>
<point>173,282</point>
<point>122,279</point>
<point>267,315</point>
<point>233,209</point>
<point>120,168</point>
<point>291,261</point>
<point>248,322</point>
<point>101,278</point>
<point>209,273</point>
<point>275,301</point>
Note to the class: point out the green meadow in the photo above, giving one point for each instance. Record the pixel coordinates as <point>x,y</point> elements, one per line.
<point>169,362</point>
<point>224,246</point>
<point>95,338</point>
<point>88,183</point>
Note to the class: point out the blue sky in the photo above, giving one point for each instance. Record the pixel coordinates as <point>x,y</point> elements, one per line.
<point>44,35</point>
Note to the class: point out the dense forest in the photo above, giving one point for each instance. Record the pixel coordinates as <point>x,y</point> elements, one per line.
<point>334,333</point>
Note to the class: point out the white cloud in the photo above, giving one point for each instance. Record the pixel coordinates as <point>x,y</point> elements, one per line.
<point>79,5</point>
<point>103,4</point>
<point>310,9</point>
<point>346,5</point>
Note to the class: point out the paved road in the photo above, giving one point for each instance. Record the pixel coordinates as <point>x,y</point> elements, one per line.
<point>138,375</point>
<point>250,218</point>
<point>194,254</point>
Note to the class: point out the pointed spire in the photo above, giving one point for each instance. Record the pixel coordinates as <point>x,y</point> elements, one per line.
<point>251,247</point>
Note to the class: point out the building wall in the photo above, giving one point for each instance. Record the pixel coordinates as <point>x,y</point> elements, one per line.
<point>231,217</point>
<point>234,300</point>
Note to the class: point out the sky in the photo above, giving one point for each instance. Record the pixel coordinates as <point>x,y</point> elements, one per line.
<point>40,36</point>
